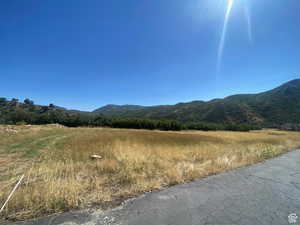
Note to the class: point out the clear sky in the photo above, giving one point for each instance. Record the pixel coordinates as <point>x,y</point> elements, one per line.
<point>83,54</point>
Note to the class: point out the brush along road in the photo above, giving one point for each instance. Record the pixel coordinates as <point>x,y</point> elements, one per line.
<point>265,193</point>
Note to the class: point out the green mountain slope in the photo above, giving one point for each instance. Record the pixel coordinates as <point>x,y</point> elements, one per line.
<point>277,106</point>
<point>271,108</point>
<point>12,112</point>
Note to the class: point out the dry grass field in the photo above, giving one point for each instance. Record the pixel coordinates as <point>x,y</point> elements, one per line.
<point>59,174</point>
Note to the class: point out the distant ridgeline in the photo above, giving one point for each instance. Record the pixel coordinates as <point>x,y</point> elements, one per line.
<point>15,112</point>
<point>277,108</point>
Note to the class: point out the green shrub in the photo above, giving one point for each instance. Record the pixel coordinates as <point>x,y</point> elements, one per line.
<point>21,123</point>
<point>267,152</point>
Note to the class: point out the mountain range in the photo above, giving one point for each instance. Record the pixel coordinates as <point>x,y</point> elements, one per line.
<point>278,106</point>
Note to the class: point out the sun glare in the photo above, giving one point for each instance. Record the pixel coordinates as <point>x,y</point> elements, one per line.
<point>223,35</point>
<point>230,4</point>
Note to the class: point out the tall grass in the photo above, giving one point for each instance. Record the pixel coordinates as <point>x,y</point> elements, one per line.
<point>61,176</point>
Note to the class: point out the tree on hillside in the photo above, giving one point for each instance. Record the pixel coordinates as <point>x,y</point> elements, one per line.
<point>15,100</point>
<point>27,101</point>
<point>2,100</point>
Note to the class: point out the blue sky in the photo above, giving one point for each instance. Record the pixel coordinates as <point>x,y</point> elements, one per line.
<point>83,54</point>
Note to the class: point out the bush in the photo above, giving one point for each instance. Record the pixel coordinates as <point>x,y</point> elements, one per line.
<point>267,152</point>
<point>21,123</point>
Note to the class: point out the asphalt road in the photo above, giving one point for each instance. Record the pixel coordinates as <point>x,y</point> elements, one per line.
<point>265,193</point>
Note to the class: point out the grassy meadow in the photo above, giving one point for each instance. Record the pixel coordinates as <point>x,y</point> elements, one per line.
<point>60,175</point>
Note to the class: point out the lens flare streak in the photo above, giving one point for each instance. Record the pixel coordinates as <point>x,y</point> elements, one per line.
<point>248,18</point>
<point>247,14</point>
<point>223,36</point>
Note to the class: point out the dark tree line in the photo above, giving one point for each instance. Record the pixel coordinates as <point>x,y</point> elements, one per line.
<point>13,112</point>
<point>77,120</point>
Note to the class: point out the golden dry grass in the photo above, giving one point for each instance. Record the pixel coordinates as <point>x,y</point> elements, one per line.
<point>61,176</point>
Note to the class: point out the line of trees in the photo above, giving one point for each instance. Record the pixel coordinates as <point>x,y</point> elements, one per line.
<point>28,113</point>
<point>77,120</point>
